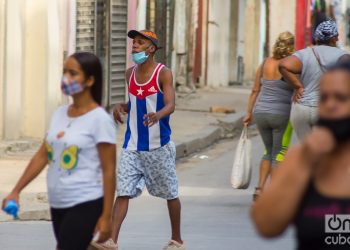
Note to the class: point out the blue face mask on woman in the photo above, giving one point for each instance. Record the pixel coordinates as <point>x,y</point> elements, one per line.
<point>71,88</point>
<point>140,57</point>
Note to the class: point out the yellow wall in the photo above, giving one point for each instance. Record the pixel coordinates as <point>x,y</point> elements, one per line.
<point>43,59</point>
<point>251,39</point>
<point>56,35</point>
<point>33,65</point>
<point>35,69</point>
<point>13,62</point>
<point>282,18</point>
<point>2,56</point>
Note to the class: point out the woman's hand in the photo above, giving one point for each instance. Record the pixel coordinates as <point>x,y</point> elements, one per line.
<point>104,228</point>
<point>298,94</point>
<point>12,196</point>
<point>247,119</point>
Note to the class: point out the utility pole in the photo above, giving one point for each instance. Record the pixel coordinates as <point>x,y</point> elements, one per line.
<point>170,35</point>
<point>161,29</point>
<point>267,44</point>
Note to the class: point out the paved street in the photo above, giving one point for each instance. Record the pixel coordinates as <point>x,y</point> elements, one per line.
<point>214,215</point>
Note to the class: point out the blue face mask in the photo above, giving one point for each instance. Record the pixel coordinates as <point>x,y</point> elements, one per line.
<point>140,57</point>
<point>70,88</point>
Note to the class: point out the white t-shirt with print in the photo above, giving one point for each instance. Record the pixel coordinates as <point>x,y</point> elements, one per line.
<point>75,171</point>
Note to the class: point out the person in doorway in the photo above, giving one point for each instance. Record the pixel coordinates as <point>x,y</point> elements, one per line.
<point>81,152</point>
<point>313,181</point>
<point>303,71</point>
<point>148,156</point>
<point>271,100</point>
<point>319,13</point>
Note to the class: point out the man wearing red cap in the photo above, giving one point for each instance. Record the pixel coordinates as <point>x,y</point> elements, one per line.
<point>148,155</point>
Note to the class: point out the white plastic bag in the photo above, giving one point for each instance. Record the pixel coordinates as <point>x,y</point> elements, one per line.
<point>242,168</point>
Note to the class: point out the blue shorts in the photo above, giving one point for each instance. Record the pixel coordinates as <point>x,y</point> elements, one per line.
<point>154,169</point>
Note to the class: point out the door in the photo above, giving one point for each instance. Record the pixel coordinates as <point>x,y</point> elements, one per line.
<point>102,29</point>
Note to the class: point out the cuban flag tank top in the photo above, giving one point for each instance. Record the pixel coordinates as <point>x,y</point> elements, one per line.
<point>144,99</point>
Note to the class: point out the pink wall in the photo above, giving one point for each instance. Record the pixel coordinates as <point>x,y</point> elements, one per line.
<point>300,24</point>
<point>132,20</point>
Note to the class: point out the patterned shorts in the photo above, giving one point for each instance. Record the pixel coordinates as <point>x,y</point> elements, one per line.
<point>154,169</point>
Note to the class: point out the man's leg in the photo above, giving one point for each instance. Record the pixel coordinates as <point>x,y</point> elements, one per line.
<point>161,181</point>
<point>174,207</point>
<point>130,184</point>
<point>120,210</point>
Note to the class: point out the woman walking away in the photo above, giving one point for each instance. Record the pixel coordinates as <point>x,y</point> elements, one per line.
<point>271,100</point>
<point>303,71</point>
<point>311,188</point>
<point>80,150</point>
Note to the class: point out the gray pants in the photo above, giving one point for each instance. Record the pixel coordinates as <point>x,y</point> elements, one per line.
<point>303,118</point>
<point>276,133</point>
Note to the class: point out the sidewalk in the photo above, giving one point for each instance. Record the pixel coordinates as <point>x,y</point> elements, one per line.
<point>193,126</point>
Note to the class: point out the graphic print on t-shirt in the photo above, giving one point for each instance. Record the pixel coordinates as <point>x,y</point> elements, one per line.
<point>49,152</point>
<point>76,164</point>
<point>69,158</point>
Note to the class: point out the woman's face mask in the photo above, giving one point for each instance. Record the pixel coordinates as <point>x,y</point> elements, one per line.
<point>340,128</point>
<point>71,88</point>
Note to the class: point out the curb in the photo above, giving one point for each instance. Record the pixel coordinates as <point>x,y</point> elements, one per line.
<point>207,138</point>
<point>10,148</point>
<point>228,127</point>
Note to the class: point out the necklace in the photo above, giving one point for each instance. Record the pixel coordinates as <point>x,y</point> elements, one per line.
<point>70,121</point>
<point>69,124</point>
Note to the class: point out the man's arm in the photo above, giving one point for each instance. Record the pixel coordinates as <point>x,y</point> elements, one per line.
<point>166,84</point>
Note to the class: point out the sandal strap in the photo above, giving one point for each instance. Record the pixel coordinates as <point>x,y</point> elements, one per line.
<point>173,242</point>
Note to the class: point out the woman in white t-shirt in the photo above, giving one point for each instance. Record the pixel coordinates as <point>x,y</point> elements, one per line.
<point>81,152</point>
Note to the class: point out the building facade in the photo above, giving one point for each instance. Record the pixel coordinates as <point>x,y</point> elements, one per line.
<point>35,38</point>
<point>2,57</point>
<point>31,65</point>
<point>205,43</point>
